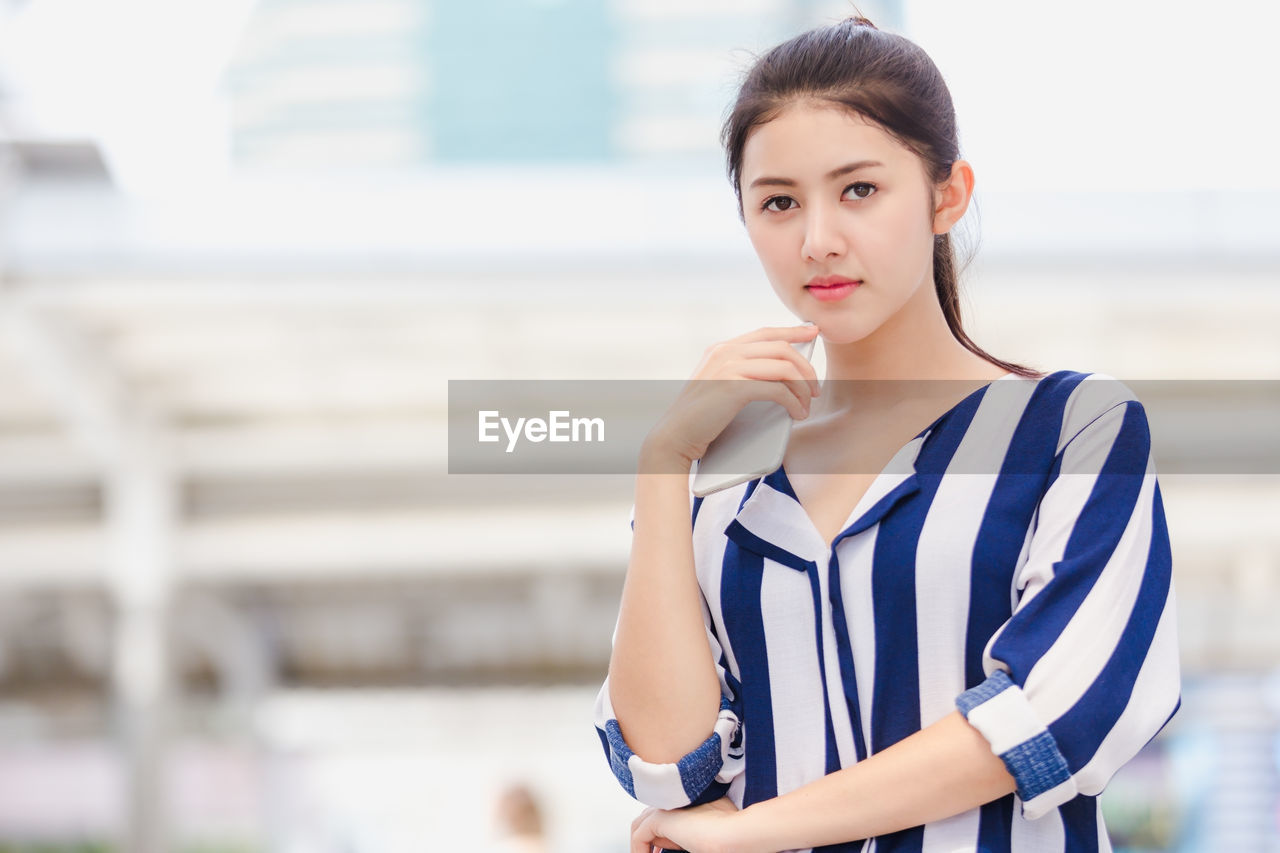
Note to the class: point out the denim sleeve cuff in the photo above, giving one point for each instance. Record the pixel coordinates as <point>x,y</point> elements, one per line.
<point>999,710</point>
<point>668,786</point>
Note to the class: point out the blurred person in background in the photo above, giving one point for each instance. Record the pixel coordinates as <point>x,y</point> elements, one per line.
<point>518,822</point>
<point>958,664</point>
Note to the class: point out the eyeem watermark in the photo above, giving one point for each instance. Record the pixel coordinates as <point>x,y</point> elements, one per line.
<point>558,427</point>
<point>1208,426</point>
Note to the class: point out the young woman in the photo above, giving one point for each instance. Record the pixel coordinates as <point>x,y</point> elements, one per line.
<point>947,620</point>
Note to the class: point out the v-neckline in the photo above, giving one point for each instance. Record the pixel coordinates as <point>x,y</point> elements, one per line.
<point>783,482</point>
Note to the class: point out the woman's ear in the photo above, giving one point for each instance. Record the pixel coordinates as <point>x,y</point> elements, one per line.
<point>952,198</point>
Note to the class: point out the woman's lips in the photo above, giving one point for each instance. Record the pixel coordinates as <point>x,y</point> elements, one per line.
<point>832,292</point>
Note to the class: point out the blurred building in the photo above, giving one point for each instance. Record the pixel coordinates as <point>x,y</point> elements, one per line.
<point>396,83</point>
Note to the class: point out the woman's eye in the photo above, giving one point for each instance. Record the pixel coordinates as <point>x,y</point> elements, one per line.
<point>862,189</point>
<point>765,206</point>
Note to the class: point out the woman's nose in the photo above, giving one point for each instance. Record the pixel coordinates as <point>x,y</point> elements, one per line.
<point>822,236</point>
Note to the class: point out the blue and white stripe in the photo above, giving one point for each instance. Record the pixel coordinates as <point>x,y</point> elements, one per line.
<point>1011,561</point>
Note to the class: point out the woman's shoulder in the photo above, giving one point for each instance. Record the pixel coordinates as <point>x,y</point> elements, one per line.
<point>1076,398</point>
<point>1085,389</point>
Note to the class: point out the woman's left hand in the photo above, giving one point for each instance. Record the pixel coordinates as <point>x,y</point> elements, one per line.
<point>701,829</point>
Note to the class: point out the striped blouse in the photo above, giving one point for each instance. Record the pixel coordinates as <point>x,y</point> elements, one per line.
<point>1011,561</point>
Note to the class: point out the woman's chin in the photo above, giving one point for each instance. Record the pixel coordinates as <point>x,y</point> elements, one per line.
<point>833,334</point>
<point>835,330</point>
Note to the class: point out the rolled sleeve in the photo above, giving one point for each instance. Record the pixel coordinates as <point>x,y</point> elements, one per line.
<point>1085,672</point>
<point>999,710</point>
<point>700,776</point>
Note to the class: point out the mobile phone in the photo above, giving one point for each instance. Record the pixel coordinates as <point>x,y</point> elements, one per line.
<point>751,445</point>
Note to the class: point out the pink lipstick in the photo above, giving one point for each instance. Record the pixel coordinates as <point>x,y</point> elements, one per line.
<point>832,287</point>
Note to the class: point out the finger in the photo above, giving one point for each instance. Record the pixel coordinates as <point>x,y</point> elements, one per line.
<point>774,381</point>
<point>802,332</point>
<point>642,836</point>
<point>648,839</point>
<point>641,817</point>
<point>772,392</point>
<point>777,373</point>
<point>781,350</point>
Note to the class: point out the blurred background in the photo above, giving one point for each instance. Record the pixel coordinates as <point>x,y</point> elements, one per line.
<point>244,245</point>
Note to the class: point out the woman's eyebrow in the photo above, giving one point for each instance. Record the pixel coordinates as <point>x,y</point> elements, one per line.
<point>832,175</point>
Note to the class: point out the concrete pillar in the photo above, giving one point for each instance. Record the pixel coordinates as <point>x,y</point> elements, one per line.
<point>140,510</point>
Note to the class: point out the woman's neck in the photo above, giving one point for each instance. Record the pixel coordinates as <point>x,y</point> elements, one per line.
<point>914,344</point>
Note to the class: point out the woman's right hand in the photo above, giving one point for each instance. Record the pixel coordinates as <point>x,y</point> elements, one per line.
<point>764,357</point>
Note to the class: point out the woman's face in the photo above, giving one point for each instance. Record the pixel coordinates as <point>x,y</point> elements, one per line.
<point>872,223</point>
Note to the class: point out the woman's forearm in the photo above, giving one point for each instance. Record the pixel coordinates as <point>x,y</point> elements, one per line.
<point>944,769</point>
<point>662,681</point>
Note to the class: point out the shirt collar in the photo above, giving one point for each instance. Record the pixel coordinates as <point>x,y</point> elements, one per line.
<point>772,522</point>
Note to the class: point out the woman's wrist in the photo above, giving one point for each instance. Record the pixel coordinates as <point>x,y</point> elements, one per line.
<point>659,456</point>
<point>750,833</point>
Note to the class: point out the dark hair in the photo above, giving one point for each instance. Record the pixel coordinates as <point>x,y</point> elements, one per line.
<point>883,77</point>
